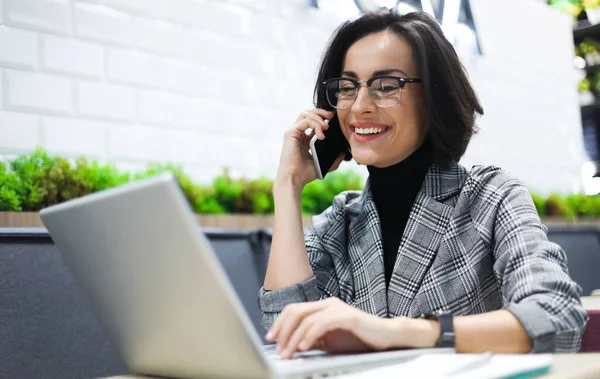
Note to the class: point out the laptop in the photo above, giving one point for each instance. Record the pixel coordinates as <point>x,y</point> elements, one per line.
<point>159,291</point>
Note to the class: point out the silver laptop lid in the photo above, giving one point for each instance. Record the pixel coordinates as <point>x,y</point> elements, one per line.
<point>154,282</point>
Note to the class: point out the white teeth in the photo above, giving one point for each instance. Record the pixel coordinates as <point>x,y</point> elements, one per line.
<point>368,130</point>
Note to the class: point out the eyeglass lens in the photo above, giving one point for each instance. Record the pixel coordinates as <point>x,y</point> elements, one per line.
<point>385,92</point>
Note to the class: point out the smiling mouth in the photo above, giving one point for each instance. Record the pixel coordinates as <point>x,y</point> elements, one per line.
<point>370,131</point>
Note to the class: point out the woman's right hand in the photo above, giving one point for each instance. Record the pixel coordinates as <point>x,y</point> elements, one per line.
<point>295,163</point>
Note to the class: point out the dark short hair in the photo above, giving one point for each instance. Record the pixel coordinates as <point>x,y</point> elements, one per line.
<point>449,100</point>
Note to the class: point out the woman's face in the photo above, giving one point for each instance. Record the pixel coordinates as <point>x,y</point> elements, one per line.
<point>403,125</point>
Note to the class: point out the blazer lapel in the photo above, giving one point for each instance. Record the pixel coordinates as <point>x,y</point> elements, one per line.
<point>365,250</point>
<point>425,229</point>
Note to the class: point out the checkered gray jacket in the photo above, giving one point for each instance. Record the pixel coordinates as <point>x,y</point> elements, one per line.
<point>473,243</point>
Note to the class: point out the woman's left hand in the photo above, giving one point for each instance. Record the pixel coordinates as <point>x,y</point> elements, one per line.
<point>330,325</point>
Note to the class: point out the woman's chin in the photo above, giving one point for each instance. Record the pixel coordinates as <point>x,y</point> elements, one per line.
<point>365,159</point>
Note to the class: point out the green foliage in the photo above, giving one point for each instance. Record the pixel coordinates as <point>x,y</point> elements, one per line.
<point>243,195</point>
<point>9,199</point>
<point>100,177</point>
<point>37,180</point>
<point>584,206</point>
<point>28,173</point>
<point>540,204</point>
<point>556,206</point>
<point>319,194</point>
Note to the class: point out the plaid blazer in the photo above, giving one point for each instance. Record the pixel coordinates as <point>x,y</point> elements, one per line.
<point>473,243</point>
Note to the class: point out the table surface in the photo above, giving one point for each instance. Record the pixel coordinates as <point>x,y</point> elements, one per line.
<point>564,366</point>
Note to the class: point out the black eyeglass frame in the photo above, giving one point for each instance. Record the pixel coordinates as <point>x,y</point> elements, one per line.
<point>367,83</point>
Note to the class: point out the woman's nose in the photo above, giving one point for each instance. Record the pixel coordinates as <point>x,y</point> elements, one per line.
<point>363,102</point>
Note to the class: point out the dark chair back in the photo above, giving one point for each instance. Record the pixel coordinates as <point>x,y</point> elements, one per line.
<point>582,246</point>
<point>46,327</point>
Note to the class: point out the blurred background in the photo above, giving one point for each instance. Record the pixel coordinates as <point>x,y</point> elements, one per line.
<point>213,84</point>
<point>96,93</point>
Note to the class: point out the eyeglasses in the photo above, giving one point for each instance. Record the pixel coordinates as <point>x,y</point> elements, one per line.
<point>385,91</point>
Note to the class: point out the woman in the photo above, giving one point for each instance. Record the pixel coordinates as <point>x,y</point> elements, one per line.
<point>429,254</point>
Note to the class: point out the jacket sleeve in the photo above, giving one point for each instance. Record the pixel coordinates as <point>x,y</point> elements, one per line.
<point>323,284</point>
<point>535,283</point>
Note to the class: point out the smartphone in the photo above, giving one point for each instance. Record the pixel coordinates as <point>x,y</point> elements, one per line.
<point>325,152</point>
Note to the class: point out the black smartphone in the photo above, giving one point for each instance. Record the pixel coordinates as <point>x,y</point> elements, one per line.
<point>325,152</point>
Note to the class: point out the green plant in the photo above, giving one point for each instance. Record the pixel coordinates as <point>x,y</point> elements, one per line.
<point>9,199</point>
<point>30,172</point>
<point>557,206</point>
<point>540,204</point>
<point>585,85</point>
<point>584,206</point>
<point>243,195</point>
<point>100,177</point>
<point>573,7</point>
<point>319,194</point>
<point>36,180</point>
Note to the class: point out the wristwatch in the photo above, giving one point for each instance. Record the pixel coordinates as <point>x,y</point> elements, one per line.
<point>446,327</point>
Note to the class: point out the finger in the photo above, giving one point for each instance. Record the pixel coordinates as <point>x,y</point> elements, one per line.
<point>318,124</point>
<point>317,127</point>
<point>309,136</point>
<point>320,344</point>
<point>309,123</point>
<point>337,163</point>
<point>289,324</point>
<point>292,319</point>
<point>274,330</point>
<point>313,328</point>
<point>318,111</point>
<point>317,330</point>
<point>298,334</point>
<point>323,120</point>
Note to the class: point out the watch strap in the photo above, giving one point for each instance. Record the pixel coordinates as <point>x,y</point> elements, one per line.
<point>446,322</point>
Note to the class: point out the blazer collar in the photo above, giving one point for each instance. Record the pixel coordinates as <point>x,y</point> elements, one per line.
<point>441,184</point>
<point>438,184</point>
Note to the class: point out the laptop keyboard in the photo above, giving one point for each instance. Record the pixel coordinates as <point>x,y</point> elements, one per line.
<point>299,357</point>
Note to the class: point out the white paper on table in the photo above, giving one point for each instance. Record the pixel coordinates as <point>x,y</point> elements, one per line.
<point>439,366</point>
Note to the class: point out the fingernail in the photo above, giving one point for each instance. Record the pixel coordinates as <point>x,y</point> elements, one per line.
<point>269,336</point>
<point>326,121</point>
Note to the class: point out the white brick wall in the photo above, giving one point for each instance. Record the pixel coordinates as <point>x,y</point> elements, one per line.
<point>37,92</point>
<point>19,48</point>
<point>84,136</point>
<point>532,123</point>
<point>105,101</point>
<point>72,57</point>
<point>213,83</point>
<point>134,67</point>
<point>159,107</point>
<point>103,24</point>
<point>18,132</point>
<point>2,88</point>
<point>52,16</point>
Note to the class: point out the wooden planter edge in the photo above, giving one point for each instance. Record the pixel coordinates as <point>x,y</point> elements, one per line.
<point>229,221</point>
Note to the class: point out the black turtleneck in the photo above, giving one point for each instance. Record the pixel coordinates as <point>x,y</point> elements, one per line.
<point>394,190</point>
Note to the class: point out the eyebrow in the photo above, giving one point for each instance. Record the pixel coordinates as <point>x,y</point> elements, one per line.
<point>387,71</point>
